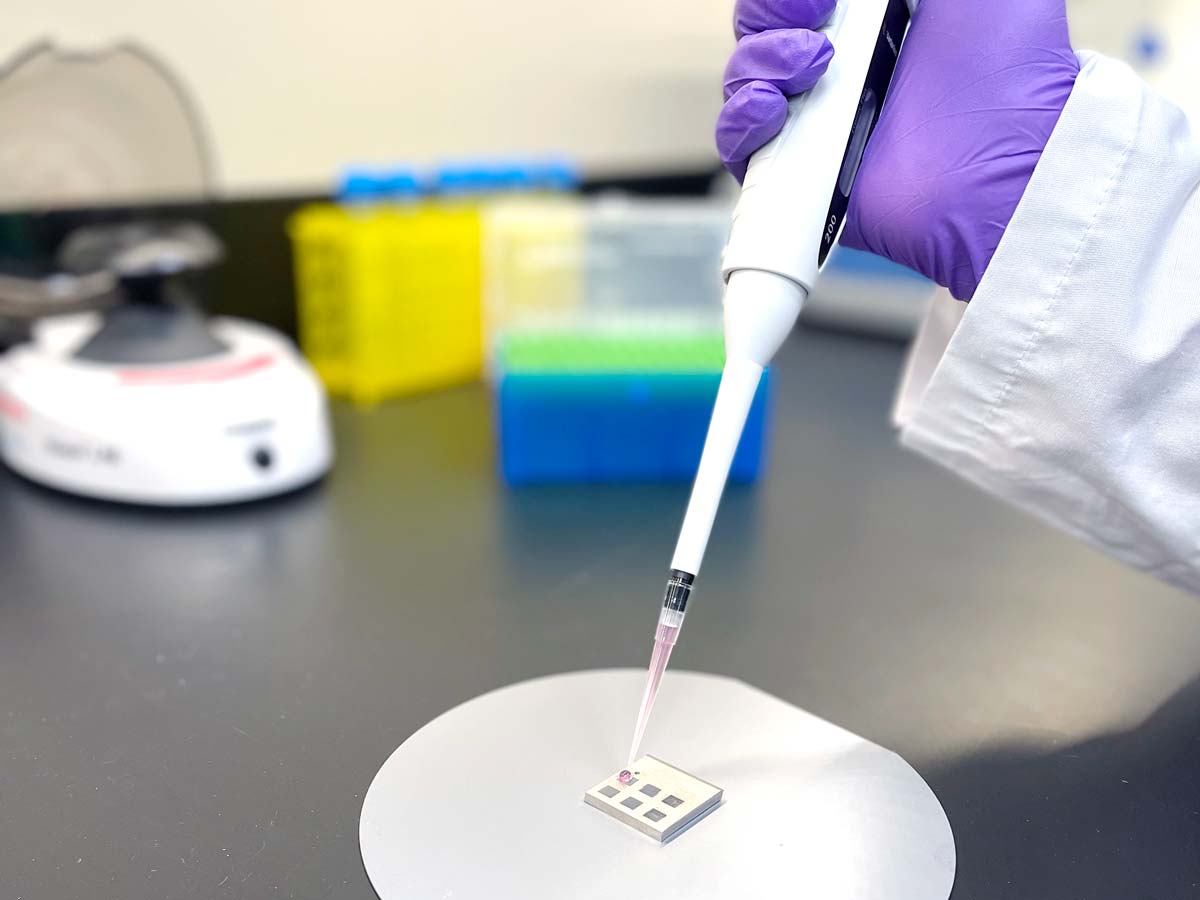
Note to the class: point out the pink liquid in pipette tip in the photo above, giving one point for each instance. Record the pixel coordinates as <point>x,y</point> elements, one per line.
<point>663,645</point>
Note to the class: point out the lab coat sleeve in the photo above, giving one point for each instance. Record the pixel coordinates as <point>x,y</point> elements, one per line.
<point>1070,385</point>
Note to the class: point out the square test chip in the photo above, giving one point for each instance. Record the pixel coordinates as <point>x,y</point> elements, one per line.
<point>655,798</point>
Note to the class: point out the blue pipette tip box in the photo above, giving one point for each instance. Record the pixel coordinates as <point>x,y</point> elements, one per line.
<point>571,414</point>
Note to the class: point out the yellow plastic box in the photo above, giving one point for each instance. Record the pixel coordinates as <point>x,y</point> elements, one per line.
<point>389,296</point>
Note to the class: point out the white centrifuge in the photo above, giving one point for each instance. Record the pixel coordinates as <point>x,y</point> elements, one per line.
<point>152,402</point>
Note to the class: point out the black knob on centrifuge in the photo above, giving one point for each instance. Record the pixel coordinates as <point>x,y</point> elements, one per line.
<point>263,458</point>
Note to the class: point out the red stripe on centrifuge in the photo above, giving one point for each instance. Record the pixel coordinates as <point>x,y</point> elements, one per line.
<point>13,408</point>
<point>197,374</point>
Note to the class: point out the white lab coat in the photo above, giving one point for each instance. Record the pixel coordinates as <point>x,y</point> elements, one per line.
<point>1070,385</point>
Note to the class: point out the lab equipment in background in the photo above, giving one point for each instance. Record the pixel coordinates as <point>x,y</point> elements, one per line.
<point>562,262</point>
<point>616,382</point>
<point>659,257</point>
<point>152,403</point>
<point>388,292</point>
<point>533,273</point>
<point>389,279</point>
<point>97,128</point>
<point>619,405</point>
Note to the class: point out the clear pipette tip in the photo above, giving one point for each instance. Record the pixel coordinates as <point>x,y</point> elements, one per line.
<point>670,621</point>
<point>658,665</point>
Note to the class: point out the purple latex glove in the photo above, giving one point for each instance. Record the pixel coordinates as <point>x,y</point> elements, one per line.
<point>979,89</point>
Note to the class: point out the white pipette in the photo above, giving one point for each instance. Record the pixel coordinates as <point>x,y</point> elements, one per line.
<point>783,229</point>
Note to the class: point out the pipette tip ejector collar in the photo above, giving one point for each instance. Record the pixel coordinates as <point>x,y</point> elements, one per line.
<point>679,589</point>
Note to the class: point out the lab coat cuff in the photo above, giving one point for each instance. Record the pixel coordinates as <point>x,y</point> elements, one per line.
<point>954,402</point>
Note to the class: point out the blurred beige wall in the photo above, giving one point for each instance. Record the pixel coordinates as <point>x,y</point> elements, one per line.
<point>293,90</point>
<point>1111,26</point>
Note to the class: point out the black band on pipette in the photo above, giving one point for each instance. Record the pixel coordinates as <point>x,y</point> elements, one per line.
<point>679,588</point>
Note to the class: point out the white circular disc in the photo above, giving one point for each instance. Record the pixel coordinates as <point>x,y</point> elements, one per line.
<point>485,802</point>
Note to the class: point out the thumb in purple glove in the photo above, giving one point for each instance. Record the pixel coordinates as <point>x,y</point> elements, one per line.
<point>978,91</point>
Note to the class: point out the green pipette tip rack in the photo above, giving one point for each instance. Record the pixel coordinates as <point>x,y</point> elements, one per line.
<point>565,352</point>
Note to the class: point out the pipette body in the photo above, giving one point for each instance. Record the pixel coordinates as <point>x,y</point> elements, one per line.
<point>784,227</point>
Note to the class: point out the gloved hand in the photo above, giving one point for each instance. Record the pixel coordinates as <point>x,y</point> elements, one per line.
<point>979,88</point>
